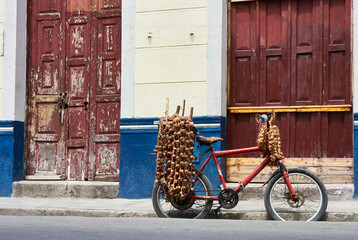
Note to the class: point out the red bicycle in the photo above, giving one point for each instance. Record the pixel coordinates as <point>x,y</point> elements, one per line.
<point>291,194</point>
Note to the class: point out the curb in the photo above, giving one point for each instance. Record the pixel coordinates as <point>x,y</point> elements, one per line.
<point>329,216</point>
<point>74,213</point>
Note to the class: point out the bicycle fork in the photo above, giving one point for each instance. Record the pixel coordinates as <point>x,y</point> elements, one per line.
<point>284,172</point>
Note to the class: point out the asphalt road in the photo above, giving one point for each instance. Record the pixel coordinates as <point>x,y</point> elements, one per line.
<point>52,228</point>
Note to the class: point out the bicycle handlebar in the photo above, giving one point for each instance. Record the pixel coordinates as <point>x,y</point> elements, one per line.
<point>263,118</point>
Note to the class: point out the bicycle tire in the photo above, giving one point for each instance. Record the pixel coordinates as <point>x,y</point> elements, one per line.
<point>191,208</point>
<point>312,197</point>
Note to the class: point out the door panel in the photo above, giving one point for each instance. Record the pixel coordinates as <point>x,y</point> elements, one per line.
<point>336,51</point>
<point>243,60</point>
<point>77,79</point>
<point>273,53</point>
<point>77,167</point>
<point>104,160</point>
<point>74,89</point>
<point>45,134</point>
<point>306,61</point>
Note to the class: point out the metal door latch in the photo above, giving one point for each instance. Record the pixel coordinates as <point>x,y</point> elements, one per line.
<point>62,105</point>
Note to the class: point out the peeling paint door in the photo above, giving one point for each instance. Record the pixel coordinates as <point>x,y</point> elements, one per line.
<point>78,57</point>
<point>105,92</point>
<point>73,90</point>
<point>45,133</point>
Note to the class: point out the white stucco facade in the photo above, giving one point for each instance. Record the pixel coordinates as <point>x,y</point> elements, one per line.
<point>171,47</point>
<point>355,55</point>
<point>13,97</point>
<point>217,58</point>
<point>174,49</point>
<point>2,30</point>
<point>127,74</point>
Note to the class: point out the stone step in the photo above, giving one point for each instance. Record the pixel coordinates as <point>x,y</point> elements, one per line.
<point>335,192</point>
<point>55,189</point>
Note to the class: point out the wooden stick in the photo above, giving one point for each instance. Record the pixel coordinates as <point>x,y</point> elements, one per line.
<point>178,110</point>
<point>183,108</point>
<point>191,112</point>
<point>167,107</point>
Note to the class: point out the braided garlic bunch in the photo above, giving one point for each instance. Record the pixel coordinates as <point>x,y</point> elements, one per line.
<point>262,139</point>
<point>269,141</point>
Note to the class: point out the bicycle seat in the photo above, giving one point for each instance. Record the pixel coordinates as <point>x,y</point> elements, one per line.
<point>208,140</point>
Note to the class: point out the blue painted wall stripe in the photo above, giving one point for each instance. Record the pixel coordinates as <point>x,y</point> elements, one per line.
<point>355,156</point>
<point>11,155</point>
<point>19,144</point>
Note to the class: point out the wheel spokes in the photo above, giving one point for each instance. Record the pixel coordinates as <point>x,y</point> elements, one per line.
<point>173,209</point>
<point>305,207</point>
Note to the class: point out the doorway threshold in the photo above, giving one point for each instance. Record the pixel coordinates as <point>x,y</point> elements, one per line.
<point>56,189</point>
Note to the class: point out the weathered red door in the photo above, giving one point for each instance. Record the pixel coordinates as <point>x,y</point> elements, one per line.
<point>73,90</point>
<point>293,57</point>
<point>45,133</point>
<point>105,92</point>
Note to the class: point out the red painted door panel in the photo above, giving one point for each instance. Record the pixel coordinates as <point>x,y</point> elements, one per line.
<point>75,52</point>
<point>273,47</point>
<point>292,53</point>
<point>78,57</point>
<point>45,132</point>
<point>244,56</point>
<point>105,110</point>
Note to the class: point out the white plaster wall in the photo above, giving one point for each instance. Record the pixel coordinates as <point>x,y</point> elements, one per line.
<point>174,48</point>
<point>171,52</point>
<point>20,78</point>
<point>217,58</point>
<point>14,83</point>
<point>8,98</point>
<point>355,55</point>
<point>164,5</point>
<point>127,75</point>
<point>2,26</point>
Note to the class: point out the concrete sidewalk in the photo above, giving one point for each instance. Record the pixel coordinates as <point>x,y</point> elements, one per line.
<point>338,211</point>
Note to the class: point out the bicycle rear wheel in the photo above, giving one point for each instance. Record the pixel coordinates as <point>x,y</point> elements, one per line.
<point>311,202</point>
<point>189,207</point>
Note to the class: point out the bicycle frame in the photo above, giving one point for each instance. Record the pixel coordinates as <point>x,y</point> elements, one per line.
<point>216,154</point>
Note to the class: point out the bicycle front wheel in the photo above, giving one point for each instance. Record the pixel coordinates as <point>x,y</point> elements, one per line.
<point>189,207</point>
<point>311,201</point>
